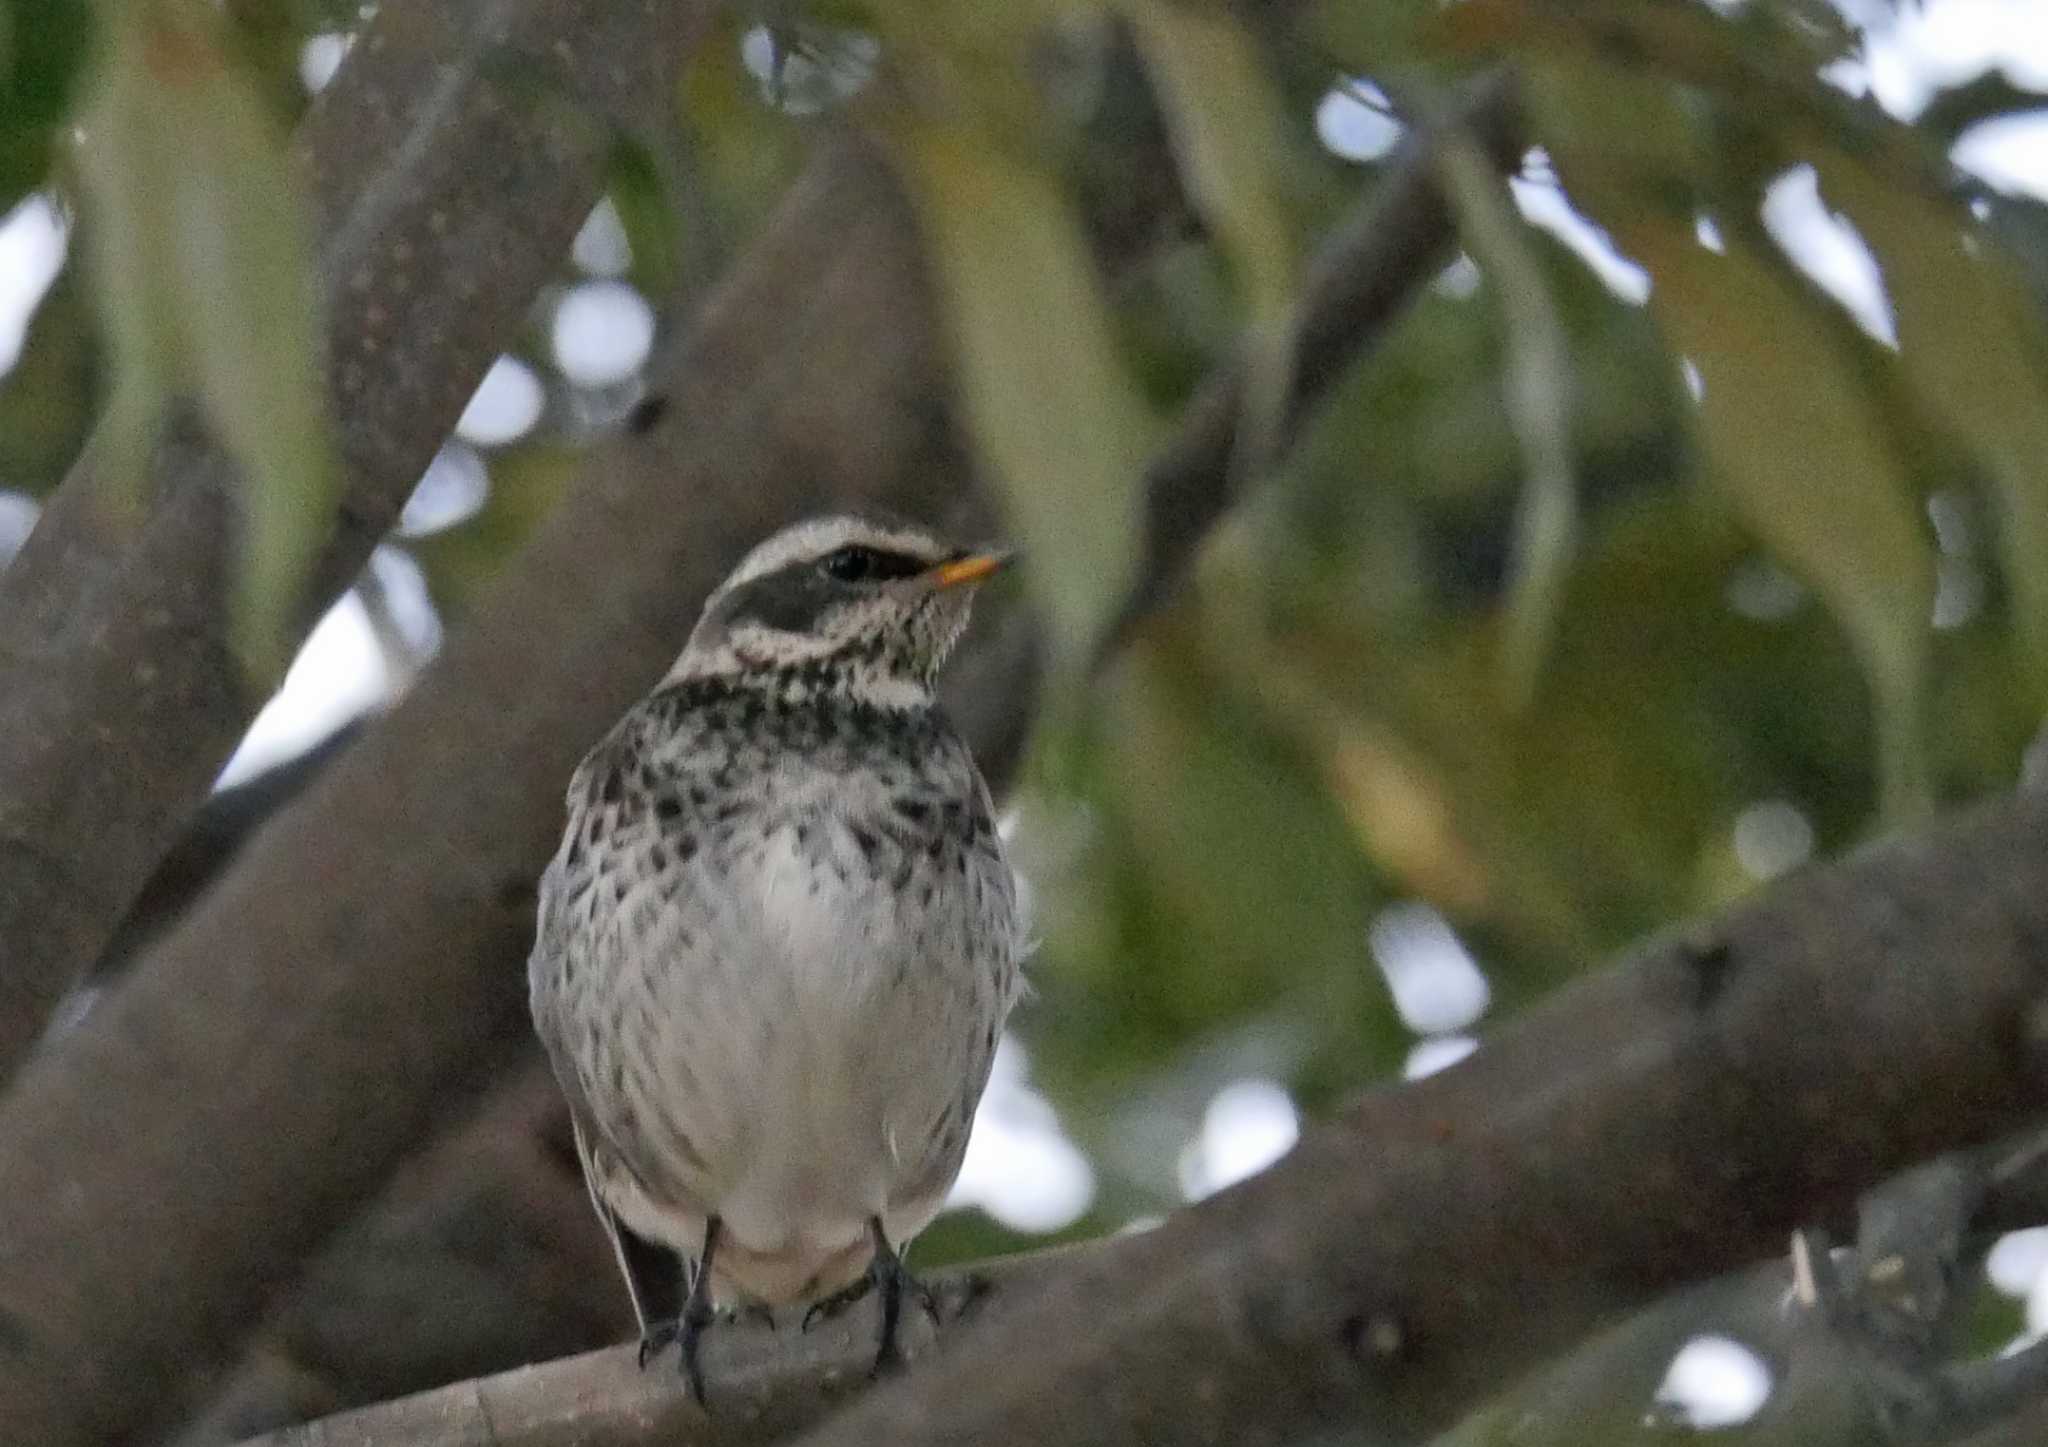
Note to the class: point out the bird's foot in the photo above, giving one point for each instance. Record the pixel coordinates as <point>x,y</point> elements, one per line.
<point>757,1312</point>
<point>656,1338</point>
<point>886,1273</point>
<point>697,1314</point>
<point>831,1306</point>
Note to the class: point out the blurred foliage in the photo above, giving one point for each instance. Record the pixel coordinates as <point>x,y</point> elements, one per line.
<point>1549,595</point>
<point>204,277</point>
<point>42,49</point>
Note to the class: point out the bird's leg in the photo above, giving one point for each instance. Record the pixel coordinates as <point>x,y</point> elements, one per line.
<point>656,1335</point>
<point>697,1313</point>
<point>886,1270</point>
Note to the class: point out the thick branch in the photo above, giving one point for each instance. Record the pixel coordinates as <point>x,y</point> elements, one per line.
<point>251,1083</point>
<point>1663,1121</point>
<point>479,1255</point>
<point>785,376</point>
<point>1660,1122</point>
<point>443,197</point>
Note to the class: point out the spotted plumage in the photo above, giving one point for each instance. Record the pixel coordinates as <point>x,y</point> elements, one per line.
<point>779,938</point>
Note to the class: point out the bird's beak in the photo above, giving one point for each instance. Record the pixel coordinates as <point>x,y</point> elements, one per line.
<point>969,569</point>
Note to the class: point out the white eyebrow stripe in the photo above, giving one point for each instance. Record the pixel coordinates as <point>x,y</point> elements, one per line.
<point>820,536</point>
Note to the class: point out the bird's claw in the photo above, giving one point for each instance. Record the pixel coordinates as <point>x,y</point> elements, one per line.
<point>838,1301</point>
<point>656,1339</point>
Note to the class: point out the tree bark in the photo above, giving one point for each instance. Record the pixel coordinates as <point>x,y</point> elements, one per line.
<point>324,994</point>
<point>1660,1122</point>
<point>442,197</point>
<point>248,1085</point>
<point>1663,1121</point>
<point>479,1255</point>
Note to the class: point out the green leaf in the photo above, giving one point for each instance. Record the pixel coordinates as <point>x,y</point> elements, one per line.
<point>202,262</point>
<point>1970,346</point>
<point>647,212</point>
<point>1047,396</point>
<point>42,49</point>
<point>1229,130</point>
<point>1538,387</point>
<point>1796,445</point>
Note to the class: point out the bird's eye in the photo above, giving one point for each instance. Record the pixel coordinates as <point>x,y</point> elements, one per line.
<point>849,565</point>
<point>856,564</point>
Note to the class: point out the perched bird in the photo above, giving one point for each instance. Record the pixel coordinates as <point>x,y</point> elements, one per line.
<point>779,938</point>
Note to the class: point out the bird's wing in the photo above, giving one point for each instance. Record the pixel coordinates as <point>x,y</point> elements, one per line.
<point>653,1281</point>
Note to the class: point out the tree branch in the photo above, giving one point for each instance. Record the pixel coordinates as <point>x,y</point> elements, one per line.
<point>1659,1122</point>
<point>1357,287</point>
<point>478,1255</point>
<point>442,197</point>
<point>249,1084</point>
<point>784,385</point>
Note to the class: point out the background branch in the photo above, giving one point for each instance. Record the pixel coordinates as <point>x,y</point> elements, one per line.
<point>442,196</point>
<point>264,1068</point>
<point>1361,280</point>
<point>763,403</point>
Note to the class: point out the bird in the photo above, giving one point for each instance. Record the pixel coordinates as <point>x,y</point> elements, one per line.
<point>779,939</point>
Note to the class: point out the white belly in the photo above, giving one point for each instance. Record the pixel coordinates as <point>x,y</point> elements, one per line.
<point>819,1042</point>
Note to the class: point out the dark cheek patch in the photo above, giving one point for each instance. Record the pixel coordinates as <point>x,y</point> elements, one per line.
<point>789,601</point>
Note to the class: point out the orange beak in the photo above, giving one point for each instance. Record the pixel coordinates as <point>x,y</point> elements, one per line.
<point>970,569</point>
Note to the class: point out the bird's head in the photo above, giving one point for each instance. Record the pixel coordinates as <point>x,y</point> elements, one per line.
<point>867,608</point>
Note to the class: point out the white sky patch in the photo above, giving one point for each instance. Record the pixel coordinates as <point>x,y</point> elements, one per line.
<point>1460,279</point>
<point>341,672</point>
<point>1543,204</point>
<point>1436,984</point>
<point>1771,837</point>
<point>1248,1125</point>
<point>1951,521</point>
<point>408,601</point>
<point>1714,1382</point>
<point>1910,53</point>
<point>2017,1260</point>
<point>338,675</point>
<point>603,331</point>
<point>18,514</point>
<point>1958,593</point>
<point>453,488</point>
<point>2011,152</point>
<point>2037,1306</point>
<point>826,68</point>
<point>1439,1052</point>
<point>1355,122</point>
<point>506,405</point>
<point>601,247</point>
<point>33,239</point>
<point>1827,248</point>
<point>1020,1167</point>
<point>320,57</point>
